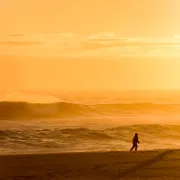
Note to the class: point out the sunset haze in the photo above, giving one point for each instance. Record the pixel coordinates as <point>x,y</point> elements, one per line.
<point>89,45</point>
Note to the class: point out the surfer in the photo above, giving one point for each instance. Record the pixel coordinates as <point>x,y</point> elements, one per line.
<point>135,141</point>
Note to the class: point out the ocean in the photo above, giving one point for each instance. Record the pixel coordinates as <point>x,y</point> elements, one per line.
<point>90,122</point>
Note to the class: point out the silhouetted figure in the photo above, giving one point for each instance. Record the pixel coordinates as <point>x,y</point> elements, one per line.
<point>135,142</point>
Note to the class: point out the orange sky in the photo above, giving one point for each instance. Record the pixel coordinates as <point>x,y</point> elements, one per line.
<point>92,44</point>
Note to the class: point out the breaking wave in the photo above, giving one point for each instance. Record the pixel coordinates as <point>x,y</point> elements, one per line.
<point>62,109</point>
<point>25,137</point>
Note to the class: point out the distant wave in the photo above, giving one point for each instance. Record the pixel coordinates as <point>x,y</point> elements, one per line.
<point>63,109</point>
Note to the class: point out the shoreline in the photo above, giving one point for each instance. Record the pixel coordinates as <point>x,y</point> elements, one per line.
<point>85,152</point>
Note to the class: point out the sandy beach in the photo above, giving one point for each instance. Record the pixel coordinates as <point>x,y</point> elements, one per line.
<point>157,164</point>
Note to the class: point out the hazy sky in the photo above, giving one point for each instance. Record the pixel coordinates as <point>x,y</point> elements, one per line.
<point>89,44</point>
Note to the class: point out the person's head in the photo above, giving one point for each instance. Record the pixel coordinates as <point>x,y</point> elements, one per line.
<point>136,134</point>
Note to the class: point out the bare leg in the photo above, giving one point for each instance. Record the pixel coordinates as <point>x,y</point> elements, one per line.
<point>136,147</point>
<point>132,148</point>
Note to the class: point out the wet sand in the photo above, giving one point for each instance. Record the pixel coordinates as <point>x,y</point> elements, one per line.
<point>153,165</point>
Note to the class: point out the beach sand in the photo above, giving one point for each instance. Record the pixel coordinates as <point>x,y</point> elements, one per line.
<point>153,165</point>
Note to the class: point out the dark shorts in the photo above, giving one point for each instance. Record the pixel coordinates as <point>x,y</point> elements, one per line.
<point>135,144</point>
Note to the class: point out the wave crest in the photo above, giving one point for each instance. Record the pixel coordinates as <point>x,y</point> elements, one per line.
<point>63,109</point>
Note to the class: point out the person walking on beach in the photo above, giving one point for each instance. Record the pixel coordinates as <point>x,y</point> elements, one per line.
<point>135,142</point>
